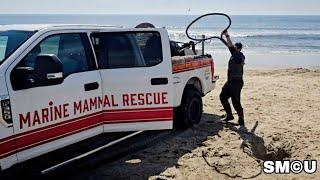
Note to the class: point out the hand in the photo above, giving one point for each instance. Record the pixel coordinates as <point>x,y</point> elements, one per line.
<point>225,32</point>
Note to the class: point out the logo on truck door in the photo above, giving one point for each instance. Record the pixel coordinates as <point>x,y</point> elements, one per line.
<point>58,112</point>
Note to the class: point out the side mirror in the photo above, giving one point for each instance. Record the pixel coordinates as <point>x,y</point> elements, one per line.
<point>48,70</point>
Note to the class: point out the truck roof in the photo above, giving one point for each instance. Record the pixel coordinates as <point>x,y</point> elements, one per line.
<point>38,27</point>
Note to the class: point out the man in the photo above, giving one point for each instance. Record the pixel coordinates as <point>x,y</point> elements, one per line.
<point>234,84</point>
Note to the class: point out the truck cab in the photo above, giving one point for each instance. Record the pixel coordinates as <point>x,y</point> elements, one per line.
<point>60,84</point>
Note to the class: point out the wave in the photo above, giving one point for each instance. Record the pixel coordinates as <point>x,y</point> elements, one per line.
<point>275,28</point>
<point>283,36</point>
<point>295,35</point>
<point>267,51</point>
<point>266,42</point>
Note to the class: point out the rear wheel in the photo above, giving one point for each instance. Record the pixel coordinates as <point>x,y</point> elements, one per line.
<point>190,110</point>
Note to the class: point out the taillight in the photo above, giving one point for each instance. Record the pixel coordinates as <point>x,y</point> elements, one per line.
<point>212,70</point>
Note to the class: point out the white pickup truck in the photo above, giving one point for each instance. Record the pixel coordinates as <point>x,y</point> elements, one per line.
<point>60,84</point>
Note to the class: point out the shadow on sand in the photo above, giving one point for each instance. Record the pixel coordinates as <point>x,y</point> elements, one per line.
<point>255,145</point>
<point>158,151</point>
<point>252,145</point>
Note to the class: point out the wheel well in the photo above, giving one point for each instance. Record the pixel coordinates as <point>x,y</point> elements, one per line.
<point>194,83</point>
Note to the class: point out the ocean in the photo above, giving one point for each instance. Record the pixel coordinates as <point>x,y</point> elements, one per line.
<point>262,35</point>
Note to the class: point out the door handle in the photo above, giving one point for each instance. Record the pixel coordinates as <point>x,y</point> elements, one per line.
<point>159,81</point>
<point>91,86</point>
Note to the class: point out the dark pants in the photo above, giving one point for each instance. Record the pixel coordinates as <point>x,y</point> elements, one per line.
<point>232,89</point>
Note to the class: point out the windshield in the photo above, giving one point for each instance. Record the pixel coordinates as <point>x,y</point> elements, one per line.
<point>11,40</point>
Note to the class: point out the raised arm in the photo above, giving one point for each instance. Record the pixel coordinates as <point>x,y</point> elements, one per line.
<point>230,44</point>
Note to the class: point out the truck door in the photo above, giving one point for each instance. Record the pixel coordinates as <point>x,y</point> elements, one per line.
<point>136,76</point>
<point>60,109</point>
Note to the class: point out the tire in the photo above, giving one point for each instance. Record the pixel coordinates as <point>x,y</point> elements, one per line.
<point>190,110</point>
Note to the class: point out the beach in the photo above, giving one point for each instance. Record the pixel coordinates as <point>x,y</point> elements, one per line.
<point>282,110</point>
<point>280,98</point>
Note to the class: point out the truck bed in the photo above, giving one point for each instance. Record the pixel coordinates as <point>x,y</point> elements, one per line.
<point>188,63</point>
<point>187,69</point>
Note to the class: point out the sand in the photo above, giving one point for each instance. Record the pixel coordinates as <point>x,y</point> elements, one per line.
<point>267,60</point>
<point>282,113</point>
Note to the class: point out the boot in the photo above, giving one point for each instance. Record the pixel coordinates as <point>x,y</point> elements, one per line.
<point>228,118</point>
<point>241,118</point>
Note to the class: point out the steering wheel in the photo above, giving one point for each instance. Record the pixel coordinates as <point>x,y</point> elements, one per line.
<point>211,37</point>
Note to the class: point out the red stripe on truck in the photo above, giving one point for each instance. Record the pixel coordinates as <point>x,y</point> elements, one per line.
<point>115,116</point>
<point>27,140</point>
<point>191,64</point>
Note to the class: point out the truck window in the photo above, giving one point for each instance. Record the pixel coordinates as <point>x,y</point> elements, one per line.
<point>69,48</point>
<point>127,49</point>
<point>151,47</point>
<point>117,50</point>
<point>11,40</point>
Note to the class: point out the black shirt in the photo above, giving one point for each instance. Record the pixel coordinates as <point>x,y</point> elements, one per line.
<point>235,65</point>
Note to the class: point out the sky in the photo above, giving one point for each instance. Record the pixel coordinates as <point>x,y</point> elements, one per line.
<point>233,7</point>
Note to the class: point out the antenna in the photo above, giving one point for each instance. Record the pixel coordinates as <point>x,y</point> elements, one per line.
<point>188,11</point>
